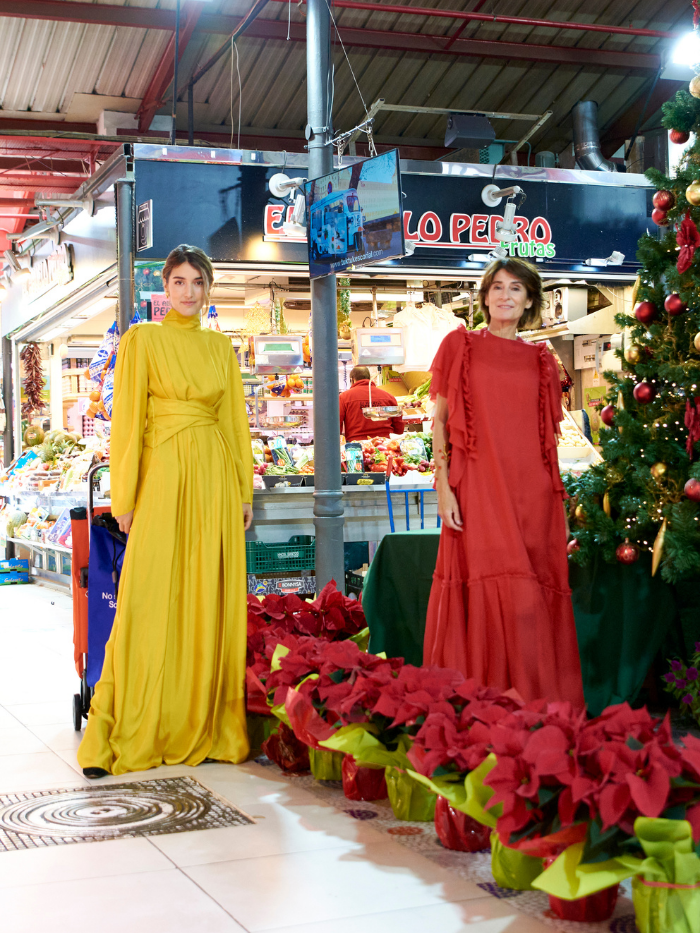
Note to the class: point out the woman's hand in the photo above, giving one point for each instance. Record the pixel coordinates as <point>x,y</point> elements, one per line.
<point>124,522</point>
<point>448,509</point>
<point>247,515</point>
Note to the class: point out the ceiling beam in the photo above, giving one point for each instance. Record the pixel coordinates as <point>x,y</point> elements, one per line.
<point>614,135</point>
<point>17,123</point>
<point>368,38</point>
<point>35,182</point>
<point>163,75</point>
<point>473,48</point>
<point>41,164</point>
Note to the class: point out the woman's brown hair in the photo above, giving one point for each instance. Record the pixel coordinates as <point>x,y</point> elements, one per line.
<point>195,257</point>
<point>529,276</point>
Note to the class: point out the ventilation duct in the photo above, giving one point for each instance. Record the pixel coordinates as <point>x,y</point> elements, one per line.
<point>586,139</point>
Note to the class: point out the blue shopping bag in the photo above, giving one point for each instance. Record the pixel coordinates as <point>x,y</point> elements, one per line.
<point>104,569</point>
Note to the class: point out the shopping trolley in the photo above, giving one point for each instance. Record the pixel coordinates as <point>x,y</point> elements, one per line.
<point>98,555</point>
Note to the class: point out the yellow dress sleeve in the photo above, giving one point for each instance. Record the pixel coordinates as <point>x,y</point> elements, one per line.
<point>128,421</point>
<point>233,422</point>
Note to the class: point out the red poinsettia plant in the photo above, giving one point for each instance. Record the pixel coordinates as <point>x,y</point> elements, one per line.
<point>560,779</point>
<point>270,620</point>
<point>457,738</point>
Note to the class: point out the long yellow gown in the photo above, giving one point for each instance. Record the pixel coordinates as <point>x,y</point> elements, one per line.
<point>172,685</point>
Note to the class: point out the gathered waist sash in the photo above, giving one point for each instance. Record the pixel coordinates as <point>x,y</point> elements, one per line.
<point>168,416</point>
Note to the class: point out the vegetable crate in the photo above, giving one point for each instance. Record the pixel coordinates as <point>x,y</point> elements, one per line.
<point>299,553</point>
<point>354,582</point>
<point>282,584</point>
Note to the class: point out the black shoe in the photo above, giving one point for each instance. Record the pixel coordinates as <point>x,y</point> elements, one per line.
<point>94,773</point>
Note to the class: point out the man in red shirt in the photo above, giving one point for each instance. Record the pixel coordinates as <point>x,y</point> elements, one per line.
<point>353,423</point>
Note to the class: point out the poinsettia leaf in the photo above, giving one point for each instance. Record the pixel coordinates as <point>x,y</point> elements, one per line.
<point>601,845</point>
<point>634,744</point>
<point>337,676</point>
<point>545,794</point>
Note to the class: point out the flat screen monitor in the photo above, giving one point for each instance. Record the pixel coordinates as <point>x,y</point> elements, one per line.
<point>354,216</point>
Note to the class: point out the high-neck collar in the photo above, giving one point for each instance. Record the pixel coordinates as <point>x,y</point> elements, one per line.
<point>176,319</point>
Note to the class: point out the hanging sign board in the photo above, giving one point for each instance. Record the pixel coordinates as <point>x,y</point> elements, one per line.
<point>56,269</point>
<point>144,226</point>
<point>354,216</point>
<point>160,305</point>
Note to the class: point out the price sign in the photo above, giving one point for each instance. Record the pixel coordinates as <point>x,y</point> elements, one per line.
<point>160,305</point>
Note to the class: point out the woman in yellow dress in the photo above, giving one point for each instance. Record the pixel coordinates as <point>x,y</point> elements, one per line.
<point>172,684</point>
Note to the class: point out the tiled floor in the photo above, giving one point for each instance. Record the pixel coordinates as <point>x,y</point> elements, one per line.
<point>302,868</point>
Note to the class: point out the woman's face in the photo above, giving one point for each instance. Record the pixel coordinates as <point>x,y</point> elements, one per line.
<point>507,298</point>
<point>186,289</point>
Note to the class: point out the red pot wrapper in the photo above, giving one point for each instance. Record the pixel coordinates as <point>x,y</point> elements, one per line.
<point>593,908</point>
<point>285,749</point>
<point>688,239</point>
<point>457,830</point>
<point>363,783</point>
<point>308,726</point>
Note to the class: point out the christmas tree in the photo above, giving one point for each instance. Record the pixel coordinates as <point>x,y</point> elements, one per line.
<point>646,493</point>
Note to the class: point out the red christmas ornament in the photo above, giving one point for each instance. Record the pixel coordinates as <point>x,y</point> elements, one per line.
<point>607,415</point>
<point>692,489</point>
<point>688,239</point>
<point>679,137</point>
<point>659,217</point>
<point>645,312</point>
<point>674,305</point>
<point>664,200</point>
<point>644,393</point>
<point>692,423</point>
<point>627,553</point>
<point>573,546</point>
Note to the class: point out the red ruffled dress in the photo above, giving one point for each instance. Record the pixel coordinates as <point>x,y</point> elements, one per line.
<point>500,606</point>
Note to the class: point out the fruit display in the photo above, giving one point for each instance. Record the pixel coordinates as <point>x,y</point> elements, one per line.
<point>59,464</point>
<point>571,436</point>
<point>398,456</point>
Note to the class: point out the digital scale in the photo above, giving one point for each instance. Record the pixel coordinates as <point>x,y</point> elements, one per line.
<point>278,354</point>
<point>375,346</point>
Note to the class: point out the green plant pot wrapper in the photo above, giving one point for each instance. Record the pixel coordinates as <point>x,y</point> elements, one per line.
<point>361,639</point>
<point>512,869</point>
<point>666,892</point>
<point>325,765</point>
<point>568,879</point>
<point>360,741</point>
<point>259,728</point>
<point>466,793</point>
<point>409,800</point>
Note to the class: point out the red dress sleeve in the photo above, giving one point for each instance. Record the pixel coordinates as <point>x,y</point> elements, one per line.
<point>449,351</point>
<point>550,416</point>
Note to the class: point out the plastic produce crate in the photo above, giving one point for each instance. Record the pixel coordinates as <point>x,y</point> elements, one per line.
<point>299,553</point>
<point>354,582</point>
<point>13,576</point>
<point>14,563</point>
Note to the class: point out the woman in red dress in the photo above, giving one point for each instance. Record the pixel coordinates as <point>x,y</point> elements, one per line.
<point>500,605</point>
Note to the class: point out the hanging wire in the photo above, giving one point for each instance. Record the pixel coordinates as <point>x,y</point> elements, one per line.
<point>347,59</point>
<point>240,94</point>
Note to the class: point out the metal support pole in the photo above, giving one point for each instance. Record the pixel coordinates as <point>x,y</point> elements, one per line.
<point>8,440</point>
<point>17,397</point>
<point>7,402</point>
<point>173,131</point>
<point>328,495</point>
<point>190,114</point>
<point>124,195</point>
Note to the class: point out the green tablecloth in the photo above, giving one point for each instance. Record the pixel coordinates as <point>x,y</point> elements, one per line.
<point>623,615</point>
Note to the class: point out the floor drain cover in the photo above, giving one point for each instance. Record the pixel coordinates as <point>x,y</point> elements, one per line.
<point>112,811</point>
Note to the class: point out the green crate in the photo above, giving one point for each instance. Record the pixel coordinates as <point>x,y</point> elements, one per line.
<point>299,553</point>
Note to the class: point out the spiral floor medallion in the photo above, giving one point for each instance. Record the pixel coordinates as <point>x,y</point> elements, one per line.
<point>112,811</point>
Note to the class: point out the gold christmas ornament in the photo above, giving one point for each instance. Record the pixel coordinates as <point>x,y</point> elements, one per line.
<point>659,471</point>
<point>692,193</point>
<point>696,342</point>
<point>694,86</point>
<point>658,549</point>
<point>580,514</point>
<point>606,504</point>
<point>633,353</point>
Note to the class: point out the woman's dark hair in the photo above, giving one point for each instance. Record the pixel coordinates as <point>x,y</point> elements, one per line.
<point>195,257</point>
<point>530,278</point>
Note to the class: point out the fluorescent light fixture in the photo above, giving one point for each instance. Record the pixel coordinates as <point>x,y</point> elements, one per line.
<point>687,50</point>
<point>615,259</point>
<point>381,296</point>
